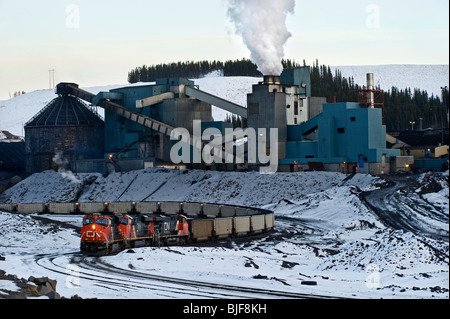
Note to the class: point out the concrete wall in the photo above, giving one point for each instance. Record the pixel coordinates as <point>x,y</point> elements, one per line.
<point>316,106</point>
<point>267,109</point>
<point>181,113</point>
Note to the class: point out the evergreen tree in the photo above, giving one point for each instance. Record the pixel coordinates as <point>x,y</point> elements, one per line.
<point>401,105</point>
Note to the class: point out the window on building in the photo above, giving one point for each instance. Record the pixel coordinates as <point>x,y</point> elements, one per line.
<point>253,108</point>
<point>295,108</point>
<point>341,130</point>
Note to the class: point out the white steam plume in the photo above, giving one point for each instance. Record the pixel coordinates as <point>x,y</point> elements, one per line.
<point>62,162</point>
<point>262,24</point>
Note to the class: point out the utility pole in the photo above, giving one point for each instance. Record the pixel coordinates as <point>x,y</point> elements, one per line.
<point>51,78</point>
<point>444,100</point>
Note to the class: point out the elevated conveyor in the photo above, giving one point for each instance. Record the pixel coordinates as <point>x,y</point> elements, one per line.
<point>396,143</point>
<point>216,101</point>
<point>198,95</point>
<point>73,89</point>
<point>154,100</point>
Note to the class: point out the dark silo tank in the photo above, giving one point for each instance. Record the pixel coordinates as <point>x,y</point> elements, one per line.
<point>66,125</point>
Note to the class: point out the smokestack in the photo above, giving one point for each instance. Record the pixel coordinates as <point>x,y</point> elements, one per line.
<point>262,24</point>
<point>272,79</point>
<point>370,87</point>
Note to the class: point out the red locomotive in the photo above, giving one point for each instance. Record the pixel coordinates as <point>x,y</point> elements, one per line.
<point>166,223</point>
<point>103,234</point>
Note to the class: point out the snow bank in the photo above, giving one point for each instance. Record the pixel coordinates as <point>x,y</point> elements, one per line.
<point>249,189</point>
<point>433,187</point>
<point>24,235</point>
<point>46,187</point>
<point>393,251</point>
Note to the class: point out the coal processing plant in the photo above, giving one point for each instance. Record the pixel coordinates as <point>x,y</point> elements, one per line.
<point>139,121</point>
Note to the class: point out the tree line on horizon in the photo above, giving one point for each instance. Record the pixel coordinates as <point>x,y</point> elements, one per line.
<point>401,105</point>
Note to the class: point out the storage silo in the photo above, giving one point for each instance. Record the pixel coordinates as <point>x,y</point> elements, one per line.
<point>66,125</point>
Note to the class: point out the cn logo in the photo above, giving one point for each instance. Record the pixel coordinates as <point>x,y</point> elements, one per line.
<point>90,233</point>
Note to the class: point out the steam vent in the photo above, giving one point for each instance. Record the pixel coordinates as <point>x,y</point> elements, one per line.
<point>65,125</point>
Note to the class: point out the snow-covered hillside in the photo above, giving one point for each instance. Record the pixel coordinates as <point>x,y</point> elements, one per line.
<point>14,113</point>
<point>425,77</point>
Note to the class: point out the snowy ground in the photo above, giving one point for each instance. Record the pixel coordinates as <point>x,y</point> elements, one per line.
<point>325,234</point>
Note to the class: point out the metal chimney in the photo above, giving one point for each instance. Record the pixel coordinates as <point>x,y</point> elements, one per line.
<point>272,79</point>
<point>370,87</point>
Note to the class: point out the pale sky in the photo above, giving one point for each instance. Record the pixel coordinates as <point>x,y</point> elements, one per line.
<point>96,42</point>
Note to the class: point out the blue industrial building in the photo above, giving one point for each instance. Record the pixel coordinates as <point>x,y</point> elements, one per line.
<point>128,138</point>
<point>300,77</point>
<point>346,137</point>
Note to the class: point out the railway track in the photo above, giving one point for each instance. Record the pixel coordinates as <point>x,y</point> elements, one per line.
<point>96,272</point>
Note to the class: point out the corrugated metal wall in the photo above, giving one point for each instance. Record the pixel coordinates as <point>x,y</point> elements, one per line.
<point>76,143</point>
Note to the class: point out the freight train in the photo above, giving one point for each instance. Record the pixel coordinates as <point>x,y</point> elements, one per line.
<point>111,227</point>
<point>103,235</point>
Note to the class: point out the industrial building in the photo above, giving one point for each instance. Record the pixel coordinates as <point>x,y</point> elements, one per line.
<point>428,147</point>
<point>12,152</point>
<point>164,102</point>
<point>139,121</point>
<point>344,137</point>
<point>65,125</point>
